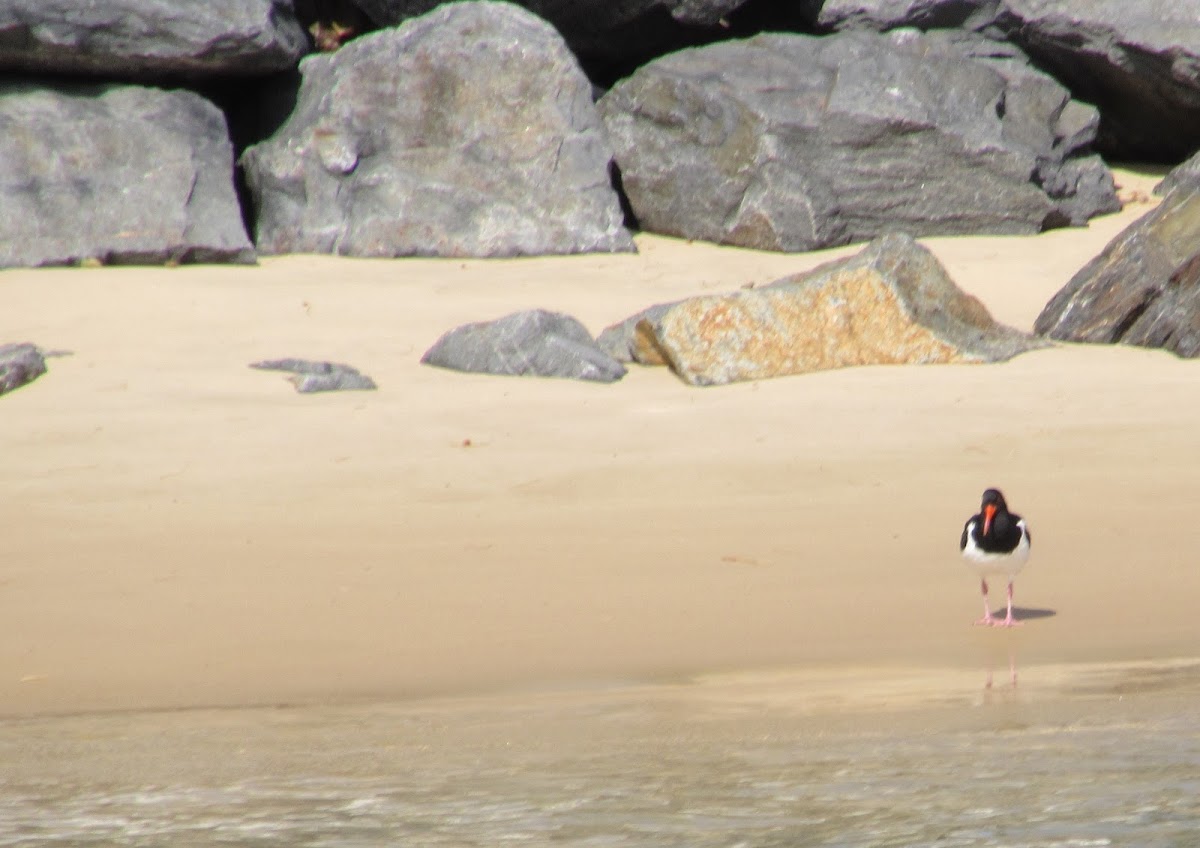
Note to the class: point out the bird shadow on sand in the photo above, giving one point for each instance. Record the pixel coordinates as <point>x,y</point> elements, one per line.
<point>1027,613</point>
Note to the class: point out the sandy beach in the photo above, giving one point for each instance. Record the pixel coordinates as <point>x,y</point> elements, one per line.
<point>181,530</point>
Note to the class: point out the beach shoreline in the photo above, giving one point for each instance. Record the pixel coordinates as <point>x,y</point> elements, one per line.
<point>184,531</point>
<point>170,752</point>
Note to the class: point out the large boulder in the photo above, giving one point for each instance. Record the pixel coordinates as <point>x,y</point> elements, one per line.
<point>1139,62</point>
<point>890,304</point>
<point>793,142</point>
<point>1143,289</point>
<point>469,131</point>
<point>602,33</point>
<point>119,173</point>
<point>534,343</point>
<point>20,364</point>
<point>149,38</point>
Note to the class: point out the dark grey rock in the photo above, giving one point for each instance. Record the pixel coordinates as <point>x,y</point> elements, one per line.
<point>1139,62</point>
<point>20,364</point>
<point>1186,174</point>
<point>1081,186</point>
<point>148,38</point>
<point>1143,289</point>
<point>620,341</point>
<point>120,174</point>
<point>318,376</point>
<point>1172,321</point>
<point>600,31</point>
<point>469,131</point>
<point>793,142</point>
<point>533,343</point>
<point>1039,116</point>
<point>883,15</point>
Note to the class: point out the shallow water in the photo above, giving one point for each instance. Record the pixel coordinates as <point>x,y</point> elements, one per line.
<point>1108,761</point>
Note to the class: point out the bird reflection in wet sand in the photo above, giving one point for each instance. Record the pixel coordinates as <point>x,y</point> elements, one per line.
<point>1012,670</point>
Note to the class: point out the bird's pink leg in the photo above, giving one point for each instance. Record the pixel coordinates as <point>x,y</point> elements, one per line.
<point>987,611</point>
<point>1009,621</point>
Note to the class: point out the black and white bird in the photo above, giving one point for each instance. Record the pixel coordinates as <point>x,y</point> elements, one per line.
<point>995,542</point>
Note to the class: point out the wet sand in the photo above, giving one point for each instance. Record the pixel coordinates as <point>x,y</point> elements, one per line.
<point>1078,755</point>
<point>183,531</point>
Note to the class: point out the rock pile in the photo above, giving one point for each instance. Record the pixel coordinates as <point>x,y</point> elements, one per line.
<point>469,129</point>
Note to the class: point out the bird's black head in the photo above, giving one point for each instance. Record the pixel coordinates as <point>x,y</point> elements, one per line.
<point>993,502</point>
<point>993,496</point>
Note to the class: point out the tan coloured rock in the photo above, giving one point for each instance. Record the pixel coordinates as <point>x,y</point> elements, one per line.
<point>891,304</point>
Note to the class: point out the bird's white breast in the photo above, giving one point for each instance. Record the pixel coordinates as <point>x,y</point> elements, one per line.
<point>984,562</point>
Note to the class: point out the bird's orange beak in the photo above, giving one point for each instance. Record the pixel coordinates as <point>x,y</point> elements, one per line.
<point>989,512</point>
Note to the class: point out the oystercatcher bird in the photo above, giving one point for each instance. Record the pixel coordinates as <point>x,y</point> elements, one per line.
<point>995,542</point>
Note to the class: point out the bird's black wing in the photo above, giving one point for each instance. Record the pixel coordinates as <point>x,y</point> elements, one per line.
<point>962,543</point>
